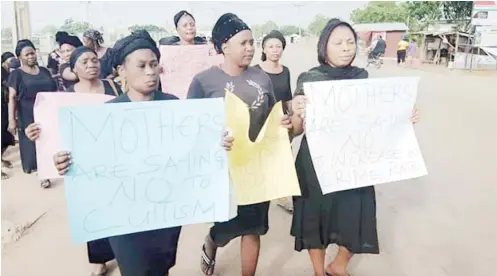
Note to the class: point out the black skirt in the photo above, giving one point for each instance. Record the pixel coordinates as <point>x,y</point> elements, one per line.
<point>250,220</point>
<point>99,251</point>
<point>26,146</point>
<point>346,218</point>
<point>7,137</point>
<point>150,253</point>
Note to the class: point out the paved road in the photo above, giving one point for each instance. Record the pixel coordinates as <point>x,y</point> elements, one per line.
<point>441,224</point>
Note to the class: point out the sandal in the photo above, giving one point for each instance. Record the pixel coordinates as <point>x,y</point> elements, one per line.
<point>45,183</point>
<point>5,176</point>
<point>287,207</point>
<point>7,164</point>
<point>207,264</point>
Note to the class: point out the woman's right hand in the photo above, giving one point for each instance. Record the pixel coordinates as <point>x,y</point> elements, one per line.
<point>298,105</point>
<point>228,140</point>
<point>12,128</point>
<point>32,131</point>
<point>62,161</point>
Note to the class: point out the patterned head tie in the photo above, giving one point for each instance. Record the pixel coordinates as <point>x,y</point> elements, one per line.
<point>227,26</point>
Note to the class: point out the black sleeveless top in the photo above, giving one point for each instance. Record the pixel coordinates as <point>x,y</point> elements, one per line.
<point>112,89</point>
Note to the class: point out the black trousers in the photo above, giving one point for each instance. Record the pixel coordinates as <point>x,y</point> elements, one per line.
<point>401,56</point>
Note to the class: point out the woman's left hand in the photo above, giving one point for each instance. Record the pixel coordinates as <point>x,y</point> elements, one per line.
<point>415,115</point>
<point>286,122</point>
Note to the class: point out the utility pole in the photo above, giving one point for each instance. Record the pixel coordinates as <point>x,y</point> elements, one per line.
<point>299,5</point>
<point>88,13</point>
<point>22,24</point>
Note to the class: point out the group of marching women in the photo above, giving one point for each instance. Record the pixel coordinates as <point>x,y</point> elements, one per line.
<point>346,218</point>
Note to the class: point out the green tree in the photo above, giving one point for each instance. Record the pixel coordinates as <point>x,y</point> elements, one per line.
<point>318,24</point>
<point>74,27</point>
<point>436,10</point>
<point>257,30</point>
<point>260,30</point>
<point>377,12</point>
<point>148,28</point>
<point>268,27</point>
<point>457,10</point>
<point>424,10</point>
<point>6,33</point>
<point>289,30</point>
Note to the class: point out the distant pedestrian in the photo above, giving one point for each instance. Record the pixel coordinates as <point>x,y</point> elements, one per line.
<point>411,51</point>
<point>402,50</point>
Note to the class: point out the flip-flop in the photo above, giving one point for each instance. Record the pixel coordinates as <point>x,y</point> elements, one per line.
<point>328,274</point>
<point>46,184</point>
<point>207,262</point>
<point>5,176</point>
<point>7,164</point>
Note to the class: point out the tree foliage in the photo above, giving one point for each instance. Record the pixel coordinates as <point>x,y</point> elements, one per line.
<point>264,29</point>
<point>6,33</point>
<point>457,10</point>
<point>289,30</point>
<point>417,14</point>
<point>74,27</point>
<point>148,28</point>
<point>424,10</point>
<point>318,24</point>
<point>377,12</point>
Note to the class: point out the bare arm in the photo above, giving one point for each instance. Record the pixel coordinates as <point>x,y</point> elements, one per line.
<point>68,75</point>
<point>12,104</point>
<point>298,125</point>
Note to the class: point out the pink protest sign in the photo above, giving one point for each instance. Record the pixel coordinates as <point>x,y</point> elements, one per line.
<point>46,113</point>
<point>182,63</point>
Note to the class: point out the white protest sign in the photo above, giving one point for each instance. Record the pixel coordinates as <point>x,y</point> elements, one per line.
<point>359,133</point>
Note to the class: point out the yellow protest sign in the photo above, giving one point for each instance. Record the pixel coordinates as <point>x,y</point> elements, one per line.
<point>262,170</point>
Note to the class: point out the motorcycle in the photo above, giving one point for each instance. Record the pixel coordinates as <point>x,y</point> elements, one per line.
<point>375,60</point>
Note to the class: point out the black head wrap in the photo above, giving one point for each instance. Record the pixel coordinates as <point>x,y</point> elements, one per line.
<point>180,14</point>
<point>6,56</point>
<point>77,53</point>
<point>225,28</point>
<point>71,40</point>
<point>325,36</point>
<point>23,43</point>
<point>94,36</point>
<point>60,35</point>
<point>273,34</point>
<point>131,43</point>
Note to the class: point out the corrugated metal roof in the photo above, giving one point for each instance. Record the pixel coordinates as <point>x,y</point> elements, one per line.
<point>381,27</point>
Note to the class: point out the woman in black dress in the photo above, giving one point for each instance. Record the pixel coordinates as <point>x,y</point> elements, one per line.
<point>68,44</point>
<point>187,31</point>
<point>85,64</point>
<point>94,39</point>
<point>24,84</point>
<point>151,253</point>
<point>273,46</point>
<point>233,38</point>
<point>346,218</point>
<point>7,137</point>
<point>53,60</point>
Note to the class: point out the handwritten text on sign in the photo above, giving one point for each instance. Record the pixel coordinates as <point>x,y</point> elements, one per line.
<point>144,166</point>
<point>182,63</point>
<point>46,110</point>
<point>359,133</point>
